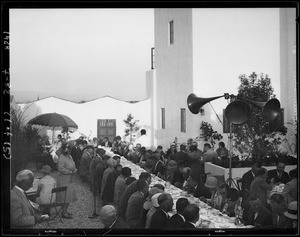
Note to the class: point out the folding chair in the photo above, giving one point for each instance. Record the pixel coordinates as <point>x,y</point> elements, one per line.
<point>56,204</point>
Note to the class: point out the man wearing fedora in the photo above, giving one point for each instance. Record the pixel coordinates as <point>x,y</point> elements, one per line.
<point>45,186</point>
<point>289,220</point>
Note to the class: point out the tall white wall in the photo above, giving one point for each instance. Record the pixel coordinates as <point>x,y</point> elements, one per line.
<point>87,114</point>
<point>229,42</point>
<point>173,65</point>
<point>288,77</point>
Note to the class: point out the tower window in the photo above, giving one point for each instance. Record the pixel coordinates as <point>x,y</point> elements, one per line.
<point>182,120</point>
<point>163,118</point>
<point>171,32</point>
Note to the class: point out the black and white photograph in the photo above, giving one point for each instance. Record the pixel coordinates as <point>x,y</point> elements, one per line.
<point>146,119</point>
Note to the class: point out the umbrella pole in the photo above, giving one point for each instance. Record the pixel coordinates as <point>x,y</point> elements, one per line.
<point>52,134</point>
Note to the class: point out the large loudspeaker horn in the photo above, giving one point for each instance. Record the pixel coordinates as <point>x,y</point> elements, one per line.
<point>237,112</point>
<point>270,109</point>
<point>195,103</point>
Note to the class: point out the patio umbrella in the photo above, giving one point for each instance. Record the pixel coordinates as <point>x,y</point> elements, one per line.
<point>53,120</point>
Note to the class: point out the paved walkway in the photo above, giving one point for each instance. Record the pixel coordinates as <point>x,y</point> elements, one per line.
<point>81,209</point>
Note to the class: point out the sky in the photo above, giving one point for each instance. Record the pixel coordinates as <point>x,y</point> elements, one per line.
<point>80,54</point>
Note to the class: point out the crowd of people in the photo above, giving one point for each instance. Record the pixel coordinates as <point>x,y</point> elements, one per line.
<point>131,203</point>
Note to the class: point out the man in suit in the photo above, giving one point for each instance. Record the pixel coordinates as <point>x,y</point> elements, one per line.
<point>209,154</point>
<point>160,218</point>
<point>135,205</point>
<point>76,152</point>
<point>259,215</point>
<point>278,206</point>
<point>159,167</point>
<point>130,189</point>
<point>85,160</point>
<point>279,175</point>
<point>120,184</point>
<point>108,216</point>
<point>178,218</point>
<point>249,176</point>
<point>191,215</point>
<point>22,213</point>
<point>181,157</point>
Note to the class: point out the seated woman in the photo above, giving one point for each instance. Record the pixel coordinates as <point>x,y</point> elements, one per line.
<point>45,186</point>
<point>220,196</point>
<point>231,202</point>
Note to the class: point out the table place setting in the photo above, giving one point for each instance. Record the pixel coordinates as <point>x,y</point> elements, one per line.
<point>208,216</point>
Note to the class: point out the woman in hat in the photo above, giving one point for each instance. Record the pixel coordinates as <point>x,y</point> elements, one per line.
<point>289,220</point>
<point>45,186</point>
<point>153,209</point>
<point>66,172</point>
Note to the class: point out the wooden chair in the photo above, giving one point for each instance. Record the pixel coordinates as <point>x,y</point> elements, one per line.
<point>57,206</point>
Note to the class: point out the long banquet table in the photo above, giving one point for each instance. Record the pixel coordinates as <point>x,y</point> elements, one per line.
<point>209,217</point>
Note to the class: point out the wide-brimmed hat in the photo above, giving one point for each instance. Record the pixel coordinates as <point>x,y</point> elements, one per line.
<point>292,211</point>
<point>211,182</point>
<point>148,203</point>
<point>46,169</point>
<point>154,199</point>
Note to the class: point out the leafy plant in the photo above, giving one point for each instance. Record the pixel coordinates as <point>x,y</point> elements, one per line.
<point>256,136</point>
<point>208,134</point>
<point>24,141</point>
<point>131,125</point>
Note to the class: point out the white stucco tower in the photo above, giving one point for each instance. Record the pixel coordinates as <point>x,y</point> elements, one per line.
<point>204,51</point>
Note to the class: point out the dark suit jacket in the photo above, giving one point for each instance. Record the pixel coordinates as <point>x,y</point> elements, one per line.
<point>187,225</point>
<point>159,167</point>
<point>109,187</point>
<point>76,154</point>
<point>135,209</point>
<point>263,219</point>
<point>21,211</point>
<point>182,158</point>
<point>177,177</point>
<point>175,221</point>
<point>159,220</point>
<point>130,189</point>
<point>119,224</point>
<point>202,191</point>
<point>247,178</point>
<point>273,174</point>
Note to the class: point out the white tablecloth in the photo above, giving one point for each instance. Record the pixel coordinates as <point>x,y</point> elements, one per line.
<point>209,217</point>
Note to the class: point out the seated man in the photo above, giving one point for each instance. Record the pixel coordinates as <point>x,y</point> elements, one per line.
<point>279,175</point>
<point>209,154</point>
<point>278,206</point>
<point>249,176</point>
<point>178,219</point>
<point>290,191</point>
<point>45,186</point>
<point>289,220</point>
<point>134,208</point>
<point>191,215</point>
<point>259,215</point>
<point>22,213</point>
<point>160,218</point>
<point>108,216</point>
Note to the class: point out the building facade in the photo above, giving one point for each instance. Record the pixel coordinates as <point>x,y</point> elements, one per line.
<point>204,51</point>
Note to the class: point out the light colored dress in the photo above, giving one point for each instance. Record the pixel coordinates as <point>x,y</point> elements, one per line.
<point>65,166</point>
<point>47,183</point>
